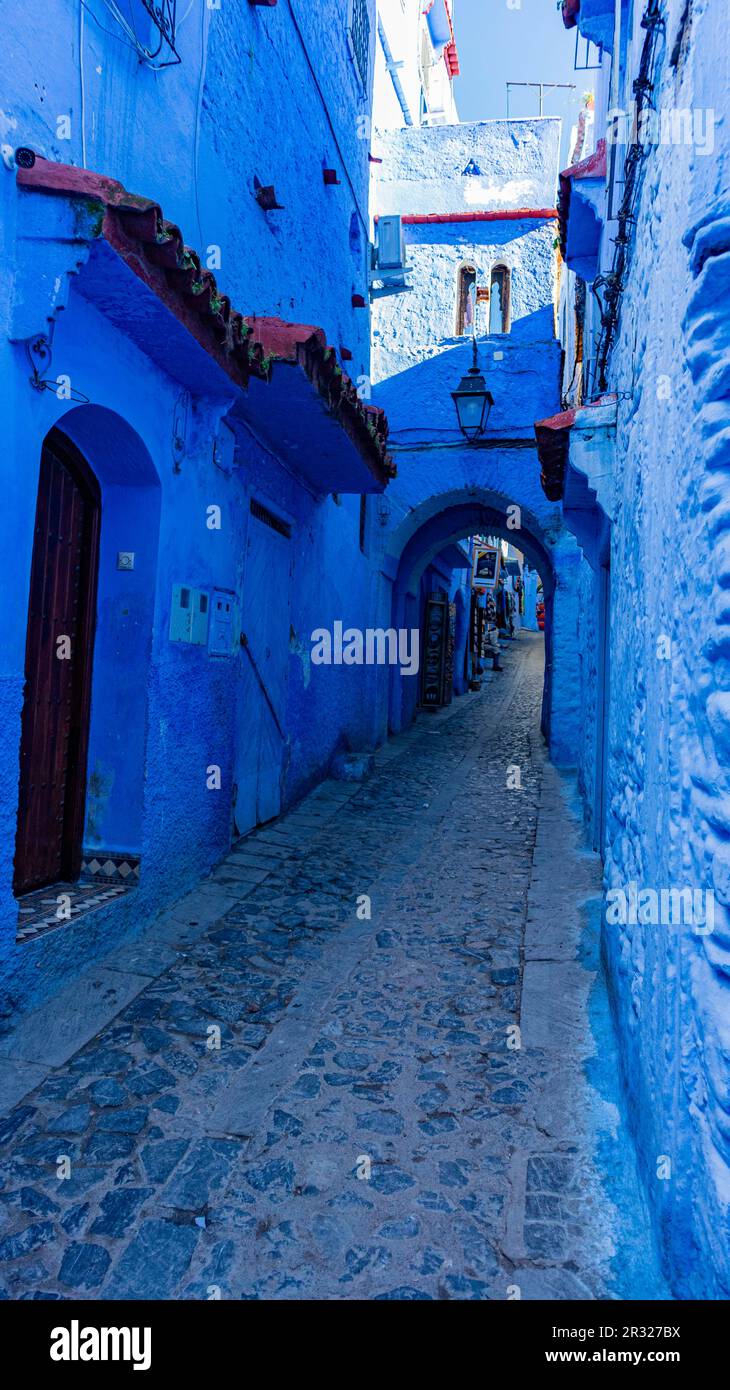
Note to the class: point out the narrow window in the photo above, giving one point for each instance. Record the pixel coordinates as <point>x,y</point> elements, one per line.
<point>465,292</point>
<point>359,37</point>
<point>363,519</point>
<point>499,300</point>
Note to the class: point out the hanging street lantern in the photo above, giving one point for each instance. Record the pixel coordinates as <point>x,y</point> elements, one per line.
<point>473,401</point>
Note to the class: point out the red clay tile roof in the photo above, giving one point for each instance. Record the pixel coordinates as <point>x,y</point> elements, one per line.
<point>304,345</point>
<point>592,167</point>
<point>553,444</point>
<point>451,53</point>
<point>243,347</point>
<point>553,438</point>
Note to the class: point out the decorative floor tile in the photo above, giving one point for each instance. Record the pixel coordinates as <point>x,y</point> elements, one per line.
<point>38,911</point>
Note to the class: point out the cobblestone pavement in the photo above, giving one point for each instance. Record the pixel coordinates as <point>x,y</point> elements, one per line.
<point>400,1107</point>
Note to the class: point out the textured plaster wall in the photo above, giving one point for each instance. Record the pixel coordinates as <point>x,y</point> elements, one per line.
<point>587,644</point>
<point>517,162</point>
<point>243,102</point>
<point>163,712</point>
<point>669,778</point>
<point>182,722</point>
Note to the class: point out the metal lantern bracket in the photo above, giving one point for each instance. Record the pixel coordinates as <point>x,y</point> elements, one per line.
<point>473,387</point>
<point>39,352</point>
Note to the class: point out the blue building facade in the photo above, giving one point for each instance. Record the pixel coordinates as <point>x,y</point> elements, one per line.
<point>638,460</point>
<point>187,366</point>
<point>477,204</point>
<point>181,332</point>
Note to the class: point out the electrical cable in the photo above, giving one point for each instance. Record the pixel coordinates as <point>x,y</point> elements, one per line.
<point>119,38</point>
<point>198,115</point>
<point>165,29</point>
<point>83,87</point>
<point>612,283</point>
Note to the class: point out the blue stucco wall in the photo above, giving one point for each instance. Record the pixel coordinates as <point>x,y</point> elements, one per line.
<point>668,785</point>
<point>244,103</point>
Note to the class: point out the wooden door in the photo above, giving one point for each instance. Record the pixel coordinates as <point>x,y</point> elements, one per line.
<point>58,657</point>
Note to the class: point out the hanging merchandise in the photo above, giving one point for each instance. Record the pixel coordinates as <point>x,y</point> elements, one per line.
<point>510,611</point>
<point>450,655</point>
<point>433,671</point>
<point>476,624</point>
<point>485,569</point>
<point>501,606</point>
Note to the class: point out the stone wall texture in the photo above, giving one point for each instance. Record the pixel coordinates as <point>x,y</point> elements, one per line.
<point>669,742</point>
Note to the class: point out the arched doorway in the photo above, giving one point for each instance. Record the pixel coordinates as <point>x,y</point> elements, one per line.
<point>92,583</point>
<point>58,668</point>
<point>430,528</point>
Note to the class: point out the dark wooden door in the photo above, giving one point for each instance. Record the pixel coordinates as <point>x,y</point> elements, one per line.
<point>58,656</point>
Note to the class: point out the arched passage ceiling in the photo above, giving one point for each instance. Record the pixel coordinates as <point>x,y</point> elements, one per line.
<point>449,518</point>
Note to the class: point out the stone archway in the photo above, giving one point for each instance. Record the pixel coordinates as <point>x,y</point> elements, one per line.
<point>445,518</point>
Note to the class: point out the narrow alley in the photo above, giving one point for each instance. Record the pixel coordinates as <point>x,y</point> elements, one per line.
<point>364,679</point>
<point>369,1057</point>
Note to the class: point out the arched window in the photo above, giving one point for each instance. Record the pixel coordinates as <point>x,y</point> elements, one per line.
<point>499,299</point>
<point>465,299</point>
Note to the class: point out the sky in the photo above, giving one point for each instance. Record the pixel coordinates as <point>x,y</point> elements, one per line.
<point>498,44</point>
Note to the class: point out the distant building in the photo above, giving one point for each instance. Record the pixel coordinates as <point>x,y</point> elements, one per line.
<point>416,61</point>
<point>472,208</point>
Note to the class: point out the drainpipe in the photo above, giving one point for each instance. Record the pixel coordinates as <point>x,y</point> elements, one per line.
<point>392,69</point>
<point>616,63</point>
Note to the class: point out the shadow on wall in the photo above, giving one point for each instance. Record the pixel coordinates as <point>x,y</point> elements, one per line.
<point>130,490</point>
<point>416,394</point>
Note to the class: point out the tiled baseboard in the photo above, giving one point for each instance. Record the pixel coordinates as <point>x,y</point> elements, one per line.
<point>102,866</point>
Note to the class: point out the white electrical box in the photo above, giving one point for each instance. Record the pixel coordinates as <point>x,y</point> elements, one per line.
<point>388,265</point>
<point>220,642</point>
<point>391,246</point>
<point>189,615</point>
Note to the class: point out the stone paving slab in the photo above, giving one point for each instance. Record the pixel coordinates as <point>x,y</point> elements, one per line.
<point>52,1033</point>
<point>16,1080</point>
<point>308,1103</point>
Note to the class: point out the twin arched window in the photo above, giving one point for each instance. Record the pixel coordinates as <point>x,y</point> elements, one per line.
<point>497,297</point>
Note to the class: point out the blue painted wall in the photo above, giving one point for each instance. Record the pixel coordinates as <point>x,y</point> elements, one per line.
<point>667,788</point>
<point>267,94</point>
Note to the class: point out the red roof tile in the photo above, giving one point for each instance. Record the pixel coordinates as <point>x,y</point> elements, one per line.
<point>553,437</point>
<point>242,346</point>
<point>592,167</point>
<point>451,53</point>
<point>553,444</point>
<point>305,346</point>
